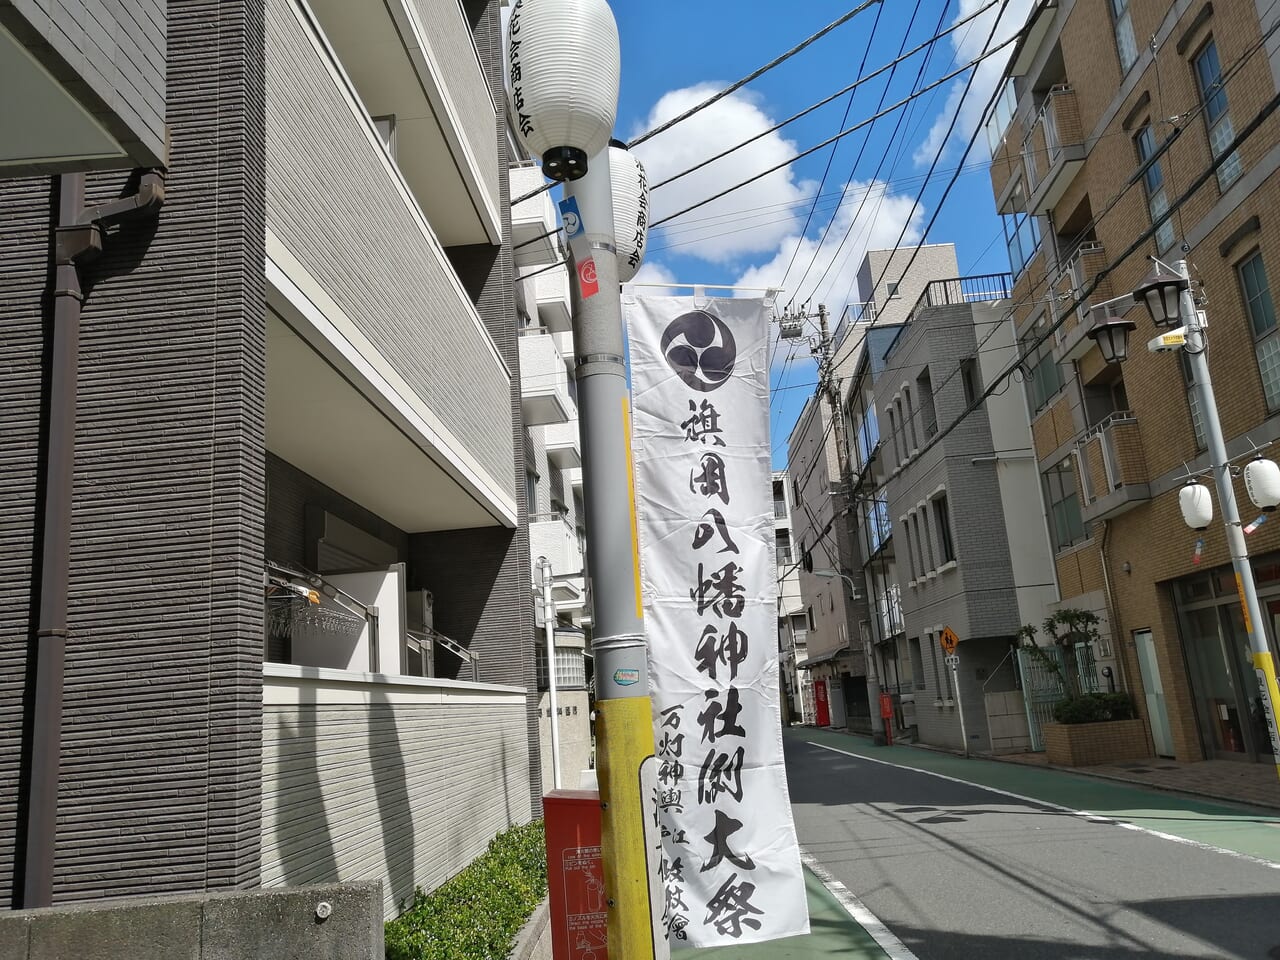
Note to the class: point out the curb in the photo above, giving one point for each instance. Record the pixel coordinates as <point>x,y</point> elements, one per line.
<point>1113,778</point>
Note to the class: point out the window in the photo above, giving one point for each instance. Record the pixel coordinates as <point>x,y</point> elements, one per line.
<point>1022,238</point>
<point>1063,504</point>
<point>1193,402</point>
<point>875,514</point>
<point>1262,319</point>
<point>969,377</point>
<point>1153,178</point>
<point>926,536</point>
<point>386,127</point>
<point>868,436</point>
<point>1216,117</point>
<point>798,632</point>
<point>893,431</point>
<point>571,668</point>
<point>1126,46</point>
<point>909,541</point>
<point>1001,116</point>
<point>811,624</point>
<point>921,567</point>
<point>911,421</point>
<point>928,411</point>
<point>893,288</point>
<point>942,517</point>
<point>917,662</point>
<point>783,542</point>
<point>1044,378</point>
<point>531,492</point>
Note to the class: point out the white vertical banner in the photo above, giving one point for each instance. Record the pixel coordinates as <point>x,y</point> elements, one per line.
<point>730,866</point>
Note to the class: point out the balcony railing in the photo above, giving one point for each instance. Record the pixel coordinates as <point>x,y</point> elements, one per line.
<point>982,288</point>
<point>1053,150</point>
<point>1077,277</point>
<point>1113,468</point>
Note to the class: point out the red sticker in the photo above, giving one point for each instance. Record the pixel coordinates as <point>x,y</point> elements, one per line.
<point>587,283</point>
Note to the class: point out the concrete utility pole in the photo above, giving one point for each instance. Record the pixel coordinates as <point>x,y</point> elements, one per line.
<point>549,624</point>
<point>624,722</point>
<point>1264,667</point>
<point>830,387</point>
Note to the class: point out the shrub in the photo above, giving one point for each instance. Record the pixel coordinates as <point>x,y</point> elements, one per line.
<point>476,914</point>
<point>1095,708</point>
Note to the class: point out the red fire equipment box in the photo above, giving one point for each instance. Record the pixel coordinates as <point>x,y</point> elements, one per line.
<point>575,877</point>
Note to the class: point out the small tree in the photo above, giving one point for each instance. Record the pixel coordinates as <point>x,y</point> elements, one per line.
<point>1067,628</point>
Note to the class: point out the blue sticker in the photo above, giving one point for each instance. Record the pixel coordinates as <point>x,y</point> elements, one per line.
<point>626,676</point>
<point>571,218</point>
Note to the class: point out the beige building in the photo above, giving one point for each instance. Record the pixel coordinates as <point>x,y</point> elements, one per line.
<point>1081,171</point>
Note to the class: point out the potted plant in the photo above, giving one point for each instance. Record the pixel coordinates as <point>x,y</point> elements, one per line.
<point>1089,727</point>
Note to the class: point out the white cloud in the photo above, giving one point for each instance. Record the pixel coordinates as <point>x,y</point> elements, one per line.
<point>969,43</point>
<point>651,271</point>
<point>718,232</point>
<point>832,269</point>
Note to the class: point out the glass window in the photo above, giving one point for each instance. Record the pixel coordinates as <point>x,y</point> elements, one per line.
<point>893,288</point>
<point>910,436</point>
<point>917,662</point>
<point>926,537</point>
<point>911,556</point>
<point>1216,115</point>
<point>1044,377</point>
<point>783,543</point>
<point>928,411</point>
<point>1001,117</point>
<point>1262,319</point>
<point>969,377</point>
<point>1063,503</point>
<point>1022,237</point>
<point>1153,179</point>
<point>942,517</point>
<point>1193,402</point>
<point>1126,46</point>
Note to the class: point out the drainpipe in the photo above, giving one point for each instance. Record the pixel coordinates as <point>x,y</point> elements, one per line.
<point>1113,613</point>
<point>77,238</point>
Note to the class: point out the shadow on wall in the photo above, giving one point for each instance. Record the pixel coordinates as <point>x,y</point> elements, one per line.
<point>304,840</point>
<point>395,812</point>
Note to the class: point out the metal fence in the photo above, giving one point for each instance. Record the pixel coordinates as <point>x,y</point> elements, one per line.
<point>1042,686</point>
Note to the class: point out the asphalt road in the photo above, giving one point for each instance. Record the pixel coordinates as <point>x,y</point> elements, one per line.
<point>958,871</point>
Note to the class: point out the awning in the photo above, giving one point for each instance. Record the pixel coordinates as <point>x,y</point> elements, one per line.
<point>822,658</point>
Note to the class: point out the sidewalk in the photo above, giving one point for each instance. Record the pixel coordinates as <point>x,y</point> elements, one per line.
<point>833,933</point>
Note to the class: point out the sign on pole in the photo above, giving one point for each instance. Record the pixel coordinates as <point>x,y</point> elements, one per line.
<point>730,865</point>
<point>949,641</point>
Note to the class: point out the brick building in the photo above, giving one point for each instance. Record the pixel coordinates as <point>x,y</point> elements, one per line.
<point>1111,112</point>
<point>298,510</point>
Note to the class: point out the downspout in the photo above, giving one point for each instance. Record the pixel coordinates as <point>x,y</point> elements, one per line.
<point>77,238</point>
<point>1117,635</point>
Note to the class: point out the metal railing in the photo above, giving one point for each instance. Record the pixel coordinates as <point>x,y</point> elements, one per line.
<point>982,288</point>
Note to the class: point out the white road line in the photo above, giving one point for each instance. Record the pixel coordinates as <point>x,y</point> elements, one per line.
<point>869,922</point>
<point>1085,814</point>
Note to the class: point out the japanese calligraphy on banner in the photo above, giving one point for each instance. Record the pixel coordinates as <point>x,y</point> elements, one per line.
<point>730,866</point>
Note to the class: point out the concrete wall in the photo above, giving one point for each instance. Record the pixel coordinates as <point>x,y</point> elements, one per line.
<point>575,736</point>
<point>161,726</point>
<point>933,261</point>
<point>111,57</point>
<point>281,924</point>
<point>404,782</point>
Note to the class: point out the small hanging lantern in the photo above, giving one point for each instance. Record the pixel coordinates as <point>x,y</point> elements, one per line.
<point>1196,504</point>
<point>630,209</point>
<point>563,66</point>
<point>1262,482</point>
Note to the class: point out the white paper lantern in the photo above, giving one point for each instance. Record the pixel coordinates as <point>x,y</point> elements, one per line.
<point>563,67</point>
<point>630,209</point>
<point>1197,505</point>
<point>1262,481</point>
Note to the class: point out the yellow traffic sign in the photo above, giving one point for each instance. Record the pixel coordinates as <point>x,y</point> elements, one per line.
<point>948,641</point>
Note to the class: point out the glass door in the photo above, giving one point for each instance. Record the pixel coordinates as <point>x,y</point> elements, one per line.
<point>1215,683</point>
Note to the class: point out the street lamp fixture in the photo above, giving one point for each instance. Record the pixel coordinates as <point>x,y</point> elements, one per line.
<point>1112,337</point>
<point>830,574</point>
<point>1161,291</point>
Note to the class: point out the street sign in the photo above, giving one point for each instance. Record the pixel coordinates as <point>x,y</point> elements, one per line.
<point>952,660</point>
<point>948,640</point>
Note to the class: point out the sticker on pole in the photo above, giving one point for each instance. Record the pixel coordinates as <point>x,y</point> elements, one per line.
<point>949,641</point>
<point>588,285</point>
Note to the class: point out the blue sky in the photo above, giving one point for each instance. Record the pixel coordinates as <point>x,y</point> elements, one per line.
<point>676,54</point>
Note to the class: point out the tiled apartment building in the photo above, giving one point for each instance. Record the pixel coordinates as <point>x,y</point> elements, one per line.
<point>1113,110</point>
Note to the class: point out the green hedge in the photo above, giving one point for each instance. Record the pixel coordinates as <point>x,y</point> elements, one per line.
<point>1095,708</point>
<point>476,914</point>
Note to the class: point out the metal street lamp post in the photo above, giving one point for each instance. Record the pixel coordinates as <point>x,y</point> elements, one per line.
<point>1167,297</point>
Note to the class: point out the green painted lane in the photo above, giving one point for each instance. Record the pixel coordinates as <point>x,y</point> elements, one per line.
<point>1248,830</point>
<point>833,933</point>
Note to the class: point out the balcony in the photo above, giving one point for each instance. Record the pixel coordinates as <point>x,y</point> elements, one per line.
<point>573,477</point>
<point>1077,276</point>
<point>544,381</point>
<point>1054,151</point>
<point>551,536</point>
<point>1039,29</point>
<point>533,223</point>
<point>415,61</point>
<point>1114,477</point>
<point>371,336</point>
<point>551,293</point>
<point>561,442</point>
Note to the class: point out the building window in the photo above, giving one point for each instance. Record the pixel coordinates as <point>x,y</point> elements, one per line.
<point>783,541</point>
<point>911,421</point>
<point>1063,503</point>
<point>875,515</point>
<point>969,378</point>
<point>811,624</point>
<point>531,492</point>
<point>798,633</point>
<point>893,431</point>
<point>917,662</point>
<point>942,517</point>
<point>1044,377</point>
<point>928,410</point>
<point>1153,178</point>
<point>909,539</point>
<point>893,288</point>
<point>921,567</point>
<point>1193,402</point>
<point>1022,238</point>
<point>1262,318</point>
<point>926,535</point>
<point>1126,45</point>
<point>386,127</point>
<point>1216,116</point>
<point>571,668</point>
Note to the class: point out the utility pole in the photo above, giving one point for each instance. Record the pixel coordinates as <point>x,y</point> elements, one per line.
<point>549,624</point>
<point>624,722</point>
<point>830,386</point>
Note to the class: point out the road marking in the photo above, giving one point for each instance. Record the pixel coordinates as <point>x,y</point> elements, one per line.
<point>869,922</point>
<point>1084,814</point>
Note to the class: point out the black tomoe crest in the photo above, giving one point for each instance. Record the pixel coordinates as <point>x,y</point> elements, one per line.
<point>700,349</point>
